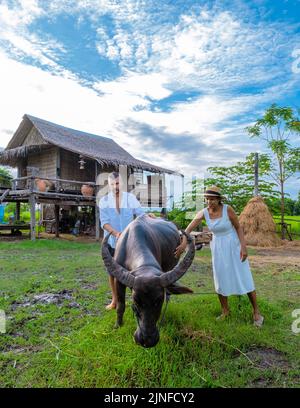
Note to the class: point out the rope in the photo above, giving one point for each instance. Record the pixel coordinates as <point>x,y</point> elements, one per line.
<point>167,300</point>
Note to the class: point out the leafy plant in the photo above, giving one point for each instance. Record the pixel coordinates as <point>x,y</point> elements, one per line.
<point>5,178</point>
<point>277,126</point>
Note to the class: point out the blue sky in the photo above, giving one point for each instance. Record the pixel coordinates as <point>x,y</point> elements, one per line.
<point>173,82</point>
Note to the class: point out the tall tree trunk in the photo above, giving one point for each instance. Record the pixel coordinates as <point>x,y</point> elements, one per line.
<point>281,179</point>
<point>282,210</point>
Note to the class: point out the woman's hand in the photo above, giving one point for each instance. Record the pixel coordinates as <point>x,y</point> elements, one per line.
<point>181,248</point>
<point>243,253</point>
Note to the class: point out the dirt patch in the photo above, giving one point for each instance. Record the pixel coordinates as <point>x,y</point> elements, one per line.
<point>286,254</point>
<point>268,358</point>
<point>17,349</point>
<point>47,299</point>
<point>87,285</point>
<point>69,237</point>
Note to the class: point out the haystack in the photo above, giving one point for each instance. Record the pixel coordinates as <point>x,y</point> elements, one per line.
<point>258,224</point>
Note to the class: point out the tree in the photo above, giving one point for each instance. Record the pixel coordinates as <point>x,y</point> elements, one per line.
<point>291,207</point>
<point>297,206</point>
<point>277,126</point>
<point>5,177</point>
<point>237,181</point>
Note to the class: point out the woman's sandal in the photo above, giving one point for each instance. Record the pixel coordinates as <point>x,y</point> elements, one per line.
<point>222,317</point>
<point>259,322</point>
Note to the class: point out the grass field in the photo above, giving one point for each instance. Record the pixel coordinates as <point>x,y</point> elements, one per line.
<point>294,220</point>
<point>72,343</point>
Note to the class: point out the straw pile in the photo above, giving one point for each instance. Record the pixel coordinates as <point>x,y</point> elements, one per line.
<point>258,225</point>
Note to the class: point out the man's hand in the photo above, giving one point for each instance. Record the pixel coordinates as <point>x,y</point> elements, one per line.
<point>117,234</point>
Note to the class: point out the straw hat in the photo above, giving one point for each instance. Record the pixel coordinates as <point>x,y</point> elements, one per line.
<point>213,191</point>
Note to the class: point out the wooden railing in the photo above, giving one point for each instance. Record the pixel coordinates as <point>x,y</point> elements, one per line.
<point>56,186</point>
<point>148,195</point>
<point>287,227</point>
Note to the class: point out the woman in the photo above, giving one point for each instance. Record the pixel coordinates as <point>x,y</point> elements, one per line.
<point>232,275</point>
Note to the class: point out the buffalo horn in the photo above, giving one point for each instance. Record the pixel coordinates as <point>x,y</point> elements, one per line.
<point>176,273</point>
<point>113,268</point>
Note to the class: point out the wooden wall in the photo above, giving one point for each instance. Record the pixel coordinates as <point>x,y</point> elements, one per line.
<point>69,167</point>
<point>34,138</point>
<point>45,161</point>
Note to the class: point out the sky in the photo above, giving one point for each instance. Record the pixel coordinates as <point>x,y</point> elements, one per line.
<point>175,83</point>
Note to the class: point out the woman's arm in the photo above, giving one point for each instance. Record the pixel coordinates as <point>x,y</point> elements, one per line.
<point>235,222</point>
<point>196,221</point>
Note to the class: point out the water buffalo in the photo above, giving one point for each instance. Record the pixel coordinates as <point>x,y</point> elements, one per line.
<point>144,261</point>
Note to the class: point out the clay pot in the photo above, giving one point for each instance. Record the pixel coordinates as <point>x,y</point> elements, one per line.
<point>87,191</point>
<point>41,185</point>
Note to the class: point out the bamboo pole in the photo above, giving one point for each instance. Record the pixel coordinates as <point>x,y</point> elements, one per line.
<point>18,210</point>
<point>57,221</point>
<point>97,217</point>
<point>32,202</point>
<point>97,210</point>
<point>92,183</point>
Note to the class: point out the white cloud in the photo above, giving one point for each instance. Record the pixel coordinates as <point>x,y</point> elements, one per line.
<point>20,13</point>
<point>136,85</point>
<point>209,51</point>
<point>20,43</point>
<point>30,90</point>
<point>104,110</point>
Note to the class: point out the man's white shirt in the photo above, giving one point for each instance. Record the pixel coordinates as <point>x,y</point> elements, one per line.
<point>129,207</point>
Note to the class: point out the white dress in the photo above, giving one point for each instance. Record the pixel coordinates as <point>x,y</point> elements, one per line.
<point>231,275</point>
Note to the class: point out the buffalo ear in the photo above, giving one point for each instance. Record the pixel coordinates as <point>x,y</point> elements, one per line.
<point>176,289</point>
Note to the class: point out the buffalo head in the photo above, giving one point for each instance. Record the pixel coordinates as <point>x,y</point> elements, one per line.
<point>149,286</point>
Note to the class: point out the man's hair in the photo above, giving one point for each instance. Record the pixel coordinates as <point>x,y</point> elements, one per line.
<point>113,176</point>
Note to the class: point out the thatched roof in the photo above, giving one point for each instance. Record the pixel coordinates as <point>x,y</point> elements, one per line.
<point>258,224</point>
<point>106,151</point>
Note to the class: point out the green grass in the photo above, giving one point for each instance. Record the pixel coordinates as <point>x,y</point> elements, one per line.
<point>63,346</point>
<point>294,220</point>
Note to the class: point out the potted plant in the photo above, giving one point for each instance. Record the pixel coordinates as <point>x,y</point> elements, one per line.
<point>41,185</point>
<point>87,190</point>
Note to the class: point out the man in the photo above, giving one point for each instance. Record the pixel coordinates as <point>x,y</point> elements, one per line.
<point>117,210</point>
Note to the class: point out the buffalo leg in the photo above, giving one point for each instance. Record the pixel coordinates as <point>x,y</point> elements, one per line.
<point>121,290</point>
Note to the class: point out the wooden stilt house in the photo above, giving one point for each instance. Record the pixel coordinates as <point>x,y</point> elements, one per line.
<point>55,162</point>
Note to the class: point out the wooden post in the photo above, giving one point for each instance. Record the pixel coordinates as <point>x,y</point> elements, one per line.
<point>97,217</point>
<point>182,192</point>
<point>97,211</point>
<point>18,210</point>
<point>256,192</point>
<point>32,202</point>
<point>172,194</point>
<point>57,221</point>
<point>58,170</point>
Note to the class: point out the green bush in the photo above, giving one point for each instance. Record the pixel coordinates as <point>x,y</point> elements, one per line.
<point>24,216</point>
<point>179,218</point>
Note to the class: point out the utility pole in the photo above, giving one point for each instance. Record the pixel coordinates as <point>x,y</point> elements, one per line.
<point>256,192</point>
